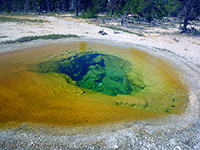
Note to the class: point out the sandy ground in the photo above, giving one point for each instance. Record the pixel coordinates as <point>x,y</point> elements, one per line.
<point>176,132</point>
<point>153,37</point>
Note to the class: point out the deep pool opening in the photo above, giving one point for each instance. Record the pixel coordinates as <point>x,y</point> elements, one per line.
<point>81,65</point>
<point>99,72</point>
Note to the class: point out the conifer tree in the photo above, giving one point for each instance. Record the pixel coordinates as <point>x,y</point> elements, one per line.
<point>190,10</point>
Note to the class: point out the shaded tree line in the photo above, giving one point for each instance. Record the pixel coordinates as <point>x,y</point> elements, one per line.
<point>42,6</point>
<point>149,9</point>
<point>34,6</point>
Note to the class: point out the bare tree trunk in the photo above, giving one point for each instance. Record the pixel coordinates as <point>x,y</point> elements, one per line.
<point>12,5</point>
<point>58,5</point>
<point>36,6</point>
<point>76,11</point>
<point>63,5</point>
<point>188,12</point>
<point>48,5</point>
<point>77,6</point>
<point>27,6</point>
<point>112,12</point>
<point>71,4</point>
<point>18,7</point>
<point>8,5</point>
<point>185,25</point>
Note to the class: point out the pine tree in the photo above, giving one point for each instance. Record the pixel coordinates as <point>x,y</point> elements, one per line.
<point>112,6</point>
<point>190,10</point>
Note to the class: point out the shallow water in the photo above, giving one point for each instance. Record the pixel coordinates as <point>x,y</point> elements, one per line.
<point>35,94</point>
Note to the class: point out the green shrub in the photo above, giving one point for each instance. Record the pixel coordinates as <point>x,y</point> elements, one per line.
<point>31,38</point>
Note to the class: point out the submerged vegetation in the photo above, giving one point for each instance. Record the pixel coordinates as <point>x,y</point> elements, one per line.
<point>46,37</point>
<point>103,73</point>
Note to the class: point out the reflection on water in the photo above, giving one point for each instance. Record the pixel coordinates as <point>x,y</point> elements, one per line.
<point>83,46</point>
<point>53,96</point>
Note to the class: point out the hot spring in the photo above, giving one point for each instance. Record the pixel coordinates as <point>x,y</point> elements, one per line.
<point>85,83</point>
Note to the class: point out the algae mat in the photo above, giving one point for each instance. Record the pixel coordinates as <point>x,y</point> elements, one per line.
<point>85,83</point>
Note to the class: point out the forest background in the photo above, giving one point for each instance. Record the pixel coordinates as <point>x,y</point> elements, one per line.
<point>149,10</point>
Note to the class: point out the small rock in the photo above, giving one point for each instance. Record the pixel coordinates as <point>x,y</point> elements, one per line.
<point>176,40</point>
